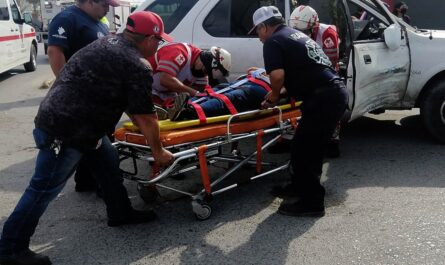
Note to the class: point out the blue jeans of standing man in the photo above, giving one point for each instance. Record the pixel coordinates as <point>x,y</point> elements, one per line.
<point>55,164</point>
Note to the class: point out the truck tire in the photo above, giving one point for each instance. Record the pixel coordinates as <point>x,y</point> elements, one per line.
<point>432,111</point>
<point>32,64</point>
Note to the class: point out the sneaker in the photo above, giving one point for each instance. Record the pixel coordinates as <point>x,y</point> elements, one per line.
<point>284,191</point>
<point>179,105</point>
<point>281,146</point>
<point>26,257</point>
<point>135,217</point>
<point>162,113</point>
<point>302,208</point>
<point>332,149</point>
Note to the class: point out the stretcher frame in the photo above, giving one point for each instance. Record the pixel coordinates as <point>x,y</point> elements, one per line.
<point>201,154</point>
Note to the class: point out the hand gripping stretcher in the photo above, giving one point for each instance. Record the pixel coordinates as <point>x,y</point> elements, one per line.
<point>198,147</point>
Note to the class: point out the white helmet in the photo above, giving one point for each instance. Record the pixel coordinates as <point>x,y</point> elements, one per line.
<point>222,58</point>
<point>216,59</point>
<point>303,18</point>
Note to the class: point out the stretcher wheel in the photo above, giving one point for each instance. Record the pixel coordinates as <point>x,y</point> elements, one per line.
<point>148,194</point>
<point>202,211</point>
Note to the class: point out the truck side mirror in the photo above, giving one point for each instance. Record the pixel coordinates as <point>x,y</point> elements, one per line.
<point>393,36</point>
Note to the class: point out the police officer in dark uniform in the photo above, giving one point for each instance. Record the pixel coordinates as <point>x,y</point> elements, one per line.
<point>295,61</point>
<point>69,31</point>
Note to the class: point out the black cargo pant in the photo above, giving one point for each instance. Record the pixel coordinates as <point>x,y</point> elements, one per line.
<point>84,179</point>
<point>320,113</point>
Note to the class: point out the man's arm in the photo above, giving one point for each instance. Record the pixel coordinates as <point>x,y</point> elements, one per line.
<point>276,83</point>
<point>148,124</point>
<point>56,59</point>
<point>173,84</point>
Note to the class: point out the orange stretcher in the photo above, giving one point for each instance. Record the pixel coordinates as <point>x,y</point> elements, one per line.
<point>196,148</point>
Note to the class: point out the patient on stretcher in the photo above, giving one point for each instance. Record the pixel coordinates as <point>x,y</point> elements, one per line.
<point>242,95</point>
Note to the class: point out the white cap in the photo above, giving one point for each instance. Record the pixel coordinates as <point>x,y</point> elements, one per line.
<point>264,13</point>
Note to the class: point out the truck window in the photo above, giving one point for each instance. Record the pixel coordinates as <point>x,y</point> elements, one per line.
<point>367,26</point>
<point>4,13</point>
<point>15,12</point>
<point>233,18</point>
<point>171,11</point>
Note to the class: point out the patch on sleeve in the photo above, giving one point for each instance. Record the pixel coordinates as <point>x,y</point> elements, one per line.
<point>315,53</point>
<point>180,59</point>
<point>329,43</point>
<point>60,33</point>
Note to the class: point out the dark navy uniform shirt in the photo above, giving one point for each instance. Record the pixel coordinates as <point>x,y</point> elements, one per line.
<point>305,65</point>
<point>95,87</point>
<point>74,29</point>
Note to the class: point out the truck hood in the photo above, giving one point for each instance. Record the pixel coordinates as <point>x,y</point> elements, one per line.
<point>427,59</point>
<point>433,34</point>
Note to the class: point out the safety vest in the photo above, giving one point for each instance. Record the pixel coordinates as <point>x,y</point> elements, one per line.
<point>184,75</point>
<point>330,46</point>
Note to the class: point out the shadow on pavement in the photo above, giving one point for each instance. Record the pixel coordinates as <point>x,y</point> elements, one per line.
<point>32,102</point>
<point>374,154</point>
<point>10,73</point>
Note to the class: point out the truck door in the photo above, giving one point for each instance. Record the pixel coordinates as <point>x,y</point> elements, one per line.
<point>376,76</point>
<point>20,49</point>
<point>225,23</point>
<point>7,36</point>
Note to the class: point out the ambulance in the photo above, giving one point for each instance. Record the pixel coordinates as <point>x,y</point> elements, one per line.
<point>18,44</point>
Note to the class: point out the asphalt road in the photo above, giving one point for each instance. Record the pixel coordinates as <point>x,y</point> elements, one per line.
<point>385,202</point>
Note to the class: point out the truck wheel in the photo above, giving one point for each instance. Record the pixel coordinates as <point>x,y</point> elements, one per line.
<point>32,64</point>
<point>432,111</point>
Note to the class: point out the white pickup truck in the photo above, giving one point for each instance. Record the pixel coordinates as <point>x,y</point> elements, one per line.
<point>18,44</point>
<point>385,63</point>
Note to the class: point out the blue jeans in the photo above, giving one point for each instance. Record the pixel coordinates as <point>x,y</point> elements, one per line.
<point>55,164</point>
<point>246,97</point>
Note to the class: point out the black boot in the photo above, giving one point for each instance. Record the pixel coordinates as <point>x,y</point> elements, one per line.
<point>285,191</point>
<point>25,257</point>
<point>302,208</point>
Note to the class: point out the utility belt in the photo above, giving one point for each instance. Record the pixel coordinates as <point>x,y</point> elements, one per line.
<point>334,83</point>
<point>47,140</point>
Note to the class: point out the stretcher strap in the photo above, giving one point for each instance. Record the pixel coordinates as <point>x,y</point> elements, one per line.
<point>168,103</point>
<point>260,83</point>
<point>223,98</point>
<point>200,112</point>
<point>205,178</point>
<point>226,101</point>
<point>208,90</point>
<point>293,122</point>
<point>292,102</point>
<point>259,151</point>
<point>155,170</point>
